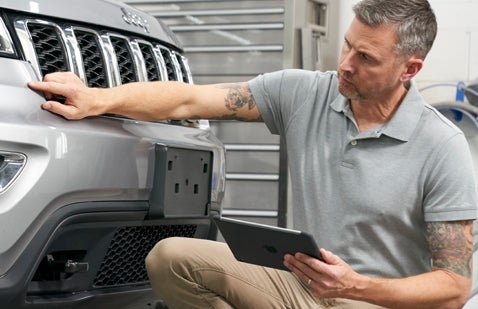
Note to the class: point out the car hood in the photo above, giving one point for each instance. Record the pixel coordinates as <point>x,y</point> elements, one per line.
<point>108,13</point>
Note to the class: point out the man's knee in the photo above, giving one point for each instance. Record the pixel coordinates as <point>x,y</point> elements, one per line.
<point>159,258</point>
<point>177,257</point>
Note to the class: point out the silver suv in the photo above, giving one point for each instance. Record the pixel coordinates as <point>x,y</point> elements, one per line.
<point>83,202</point>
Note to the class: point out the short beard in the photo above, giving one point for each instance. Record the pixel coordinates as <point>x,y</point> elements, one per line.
<point>350,94</point>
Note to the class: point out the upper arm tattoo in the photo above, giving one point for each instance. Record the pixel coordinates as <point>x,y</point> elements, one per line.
<point>239,96</point>
<point>451,245</point>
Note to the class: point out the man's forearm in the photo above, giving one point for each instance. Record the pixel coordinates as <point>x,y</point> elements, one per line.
<point>163,100</point>
<point>437,289</point>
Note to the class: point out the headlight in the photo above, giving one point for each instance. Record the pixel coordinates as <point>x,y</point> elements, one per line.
<point>6,44</point>
<point>11,164</point>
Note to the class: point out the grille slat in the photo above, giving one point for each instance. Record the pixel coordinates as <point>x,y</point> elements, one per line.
<point>183,68</point>
<point>152,68</point>
<point>50,50</point>
<point>124,56</point>
<point>168,61</point>
<point>93,59</point>
<point>124,260</point>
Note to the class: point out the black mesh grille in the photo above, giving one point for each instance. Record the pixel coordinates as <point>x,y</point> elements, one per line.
<point>124,261</point>
<point>152,68</point>
<point>92,59</point>
<point>168,61</point>
<point>49,48</point>
<point>125,60</point>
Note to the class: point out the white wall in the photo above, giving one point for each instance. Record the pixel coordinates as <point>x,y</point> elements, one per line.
<point>454,56</point>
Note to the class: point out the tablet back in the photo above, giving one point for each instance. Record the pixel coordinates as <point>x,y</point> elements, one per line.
<point>264,244</point>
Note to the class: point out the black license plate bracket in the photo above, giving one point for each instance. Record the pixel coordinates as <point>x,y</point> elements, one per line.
<point>181,182</point>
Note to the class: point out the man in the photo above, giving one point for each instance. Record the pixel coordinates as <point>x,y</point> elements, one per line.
<point>381,179</point>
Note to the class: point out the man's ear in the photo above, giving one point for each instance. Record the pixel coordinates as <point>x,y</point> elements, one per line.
<point>412,67</point>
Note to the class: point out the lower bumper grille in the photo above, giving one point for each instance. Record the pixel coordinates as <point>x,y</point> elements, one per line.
<point>124,260</point>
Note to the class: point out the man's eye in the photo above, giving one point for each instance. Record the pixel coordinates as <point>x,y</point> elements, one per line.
<point>367,58</point>
<point>346,44</point>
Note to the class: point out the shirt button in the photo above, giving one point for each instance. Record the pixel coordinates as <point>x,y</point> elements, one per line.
<point>353,143</point>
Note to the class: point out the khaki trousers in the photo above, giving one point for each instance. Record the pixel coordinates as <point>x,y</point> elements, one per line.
<point>194,273</point>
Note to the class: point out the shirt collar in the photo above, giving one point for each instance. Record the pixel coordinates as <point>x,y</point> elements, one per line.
<point>405,120</point>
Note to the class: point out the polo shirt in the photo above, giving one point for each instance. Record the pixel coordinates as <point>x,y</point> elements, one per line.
<point>366,196</point>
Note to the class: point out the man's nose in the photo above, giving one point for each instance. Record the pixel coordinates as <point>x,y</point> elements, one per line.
<point>346,62</point>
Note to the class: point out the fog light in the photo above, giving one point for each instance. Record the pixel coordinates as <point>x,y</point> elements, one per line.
<point>11,164</point>
<point>6,44</point>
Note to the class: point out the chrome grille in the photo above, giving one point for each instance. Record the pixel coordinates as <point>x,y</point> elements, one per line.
<point>100,57</point>
<point>124,57</point>
<point>172,72</point>
<point>93,59</point>
<point>49,48</point>
<point>152,69</point>
<point>184,68</point>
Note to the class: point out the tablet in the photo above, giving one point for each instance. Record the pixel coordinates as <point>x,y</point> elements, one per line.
<point>262,244</point>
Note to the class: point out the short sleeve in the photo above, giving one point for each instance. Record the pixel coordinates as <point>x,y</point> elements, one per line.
<point>279,95</point>
<point>450,190</point>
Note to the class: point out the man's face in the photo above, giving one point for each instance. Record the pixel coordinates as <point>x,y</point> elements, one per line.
<point>369,68</point>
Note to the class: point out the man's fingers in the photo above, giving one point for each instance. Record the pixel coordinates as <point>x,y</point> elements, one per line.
<point>61,90</point>
<point>300,264</point>
<point>67,111</point>
<point>49,88</point>
<point>330,258</point>
<point>58,83</point>
<point>60,77</point>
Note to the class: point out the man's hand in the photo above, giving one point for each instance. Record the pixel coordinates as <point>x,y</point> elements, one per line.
<point>446,286</point>
<point>79,100</point>
<point>328,279</point>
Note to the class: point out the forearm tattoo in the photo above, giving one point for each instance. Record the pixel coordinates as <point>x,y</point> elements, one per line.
<point>239,96</point>
<point>451,246</point>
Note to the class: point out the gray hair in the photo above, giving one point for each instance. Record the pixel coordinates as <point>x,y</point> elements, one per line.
<point>415,21</point>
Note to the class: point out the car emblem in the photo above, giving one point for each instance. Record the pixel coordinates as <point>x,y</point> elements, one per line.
<point>135,20</point>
